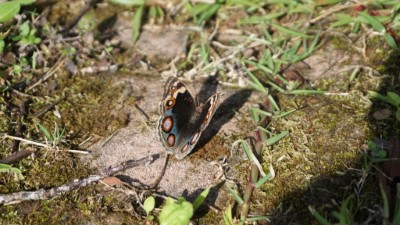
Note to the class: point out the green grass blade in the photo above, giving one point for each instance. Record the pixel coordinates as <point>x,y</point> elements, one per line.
<point>290,31</point>
<point>393,98</point>
<point>272,140</point>
<point>273,103</point>
<point>258,113</point>
<point>319,217</point>
<point>207,14</point>
<point>255,82</point>
<point>342,20</point>
<point>283,114</point>
<point>262,180</point>
<point>378,96</point>
<point>257,218</point>
<point>235,195</point>
<point>246,150</point>
<point>200,199</point>
<point>396,212</point>
<point>137,23</point>
<point>368,19</point>
<point>128,2</point>
<point>46,132</point>
<point>228,216</point>
<point>306,92</point>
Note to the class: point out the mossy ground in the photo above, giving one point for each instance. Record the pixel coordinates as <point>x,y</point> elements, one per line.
<point>319,164</point>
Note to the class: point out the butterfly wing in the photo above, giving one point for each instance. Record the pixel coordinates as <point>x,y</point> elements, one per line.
<point>199,121</point>
<point>181,123</point>
<point>176,108</point>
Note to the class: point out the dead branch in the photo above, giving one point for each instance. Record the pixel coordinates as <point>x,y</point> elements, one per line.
<point>48,193</point>
<point>16,157</point>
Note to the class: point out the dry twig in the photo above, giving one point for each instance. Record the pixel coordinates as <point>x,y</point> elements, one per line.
<point>48,193</point>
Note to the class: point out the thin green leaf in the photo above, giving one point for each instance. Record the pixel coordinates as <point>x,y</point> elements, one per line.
<point>46,132</point>
<point>376,25</point>
<point>354,73</point>
<point>396,212</point>
<point>137,22</point>
<point>207,14</point>
<point>319,217</point>
<point>2,44</point>
<point>129,2</point>
<point>228,220</point>
<point>203,49</point>
<point>262,180</point>
<point>378,96</point>
<point>235,195</point>
<point>257,218</point>
<point>283,114</point>
<point>258,113</point>
<point>390,40</point>
<point>200,199</point>
<point>256,83</point>
<point>241,2</point>
<point>260,19</point>
<point>302,9</point>
<point>326,2</point>
<point>290,31</point>
<point>8,10</point>
<point>307,92</point>
<point>342,19</point>
<point>274,105</point>
<point>246,150</point>
<point>393,98</point>
<point>199,8</point>
<point>272,140</point>
<point>277,87</point>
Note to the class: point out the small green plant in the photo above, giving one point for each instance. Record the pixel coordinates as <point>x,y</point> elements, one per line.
<point>148,206</point>
<point>254,181</point>
<point>279,53</point>
<point>391,98</point>
<point>27,35</point>
<point>345,215</point>
<point>376,22</point>
<point>53,138</point>
<point>386,209</point>
<point>2,42</point>
<point>5,168</point>
<point>154,12</point>
<point>175,212</point>
<point>202,12</point>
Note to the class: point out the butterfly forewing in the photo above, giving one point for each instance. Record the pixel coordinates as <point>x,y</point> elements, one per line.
<point>177,107</point>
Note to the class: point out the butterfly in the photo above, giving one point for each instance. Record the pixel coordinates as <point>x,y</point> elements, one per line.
<point>182,120</point>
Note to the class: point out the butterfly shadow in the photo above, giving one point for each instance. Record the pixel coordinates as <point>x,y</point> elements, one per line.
<point>225,112</point>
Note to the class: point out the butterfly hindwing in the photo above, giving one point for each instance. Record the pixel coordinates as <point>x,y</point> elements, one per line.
<point>181,122</point>
<point>200,121</point>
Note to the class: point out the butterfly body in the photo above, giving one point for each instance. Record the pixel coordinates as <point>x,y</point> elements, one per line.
<point>182,121</point>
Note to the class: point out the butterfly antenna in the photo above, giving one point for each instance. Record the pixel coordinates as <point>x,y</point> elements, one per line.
<point>196,97</point>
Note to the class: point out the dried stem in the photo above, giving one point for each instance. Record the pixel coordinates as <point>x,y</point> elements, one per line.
<point>48,193</point>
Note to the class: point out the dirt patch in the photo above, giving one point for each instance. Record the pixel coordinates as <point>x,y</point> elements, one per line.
<point>139,139</point>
